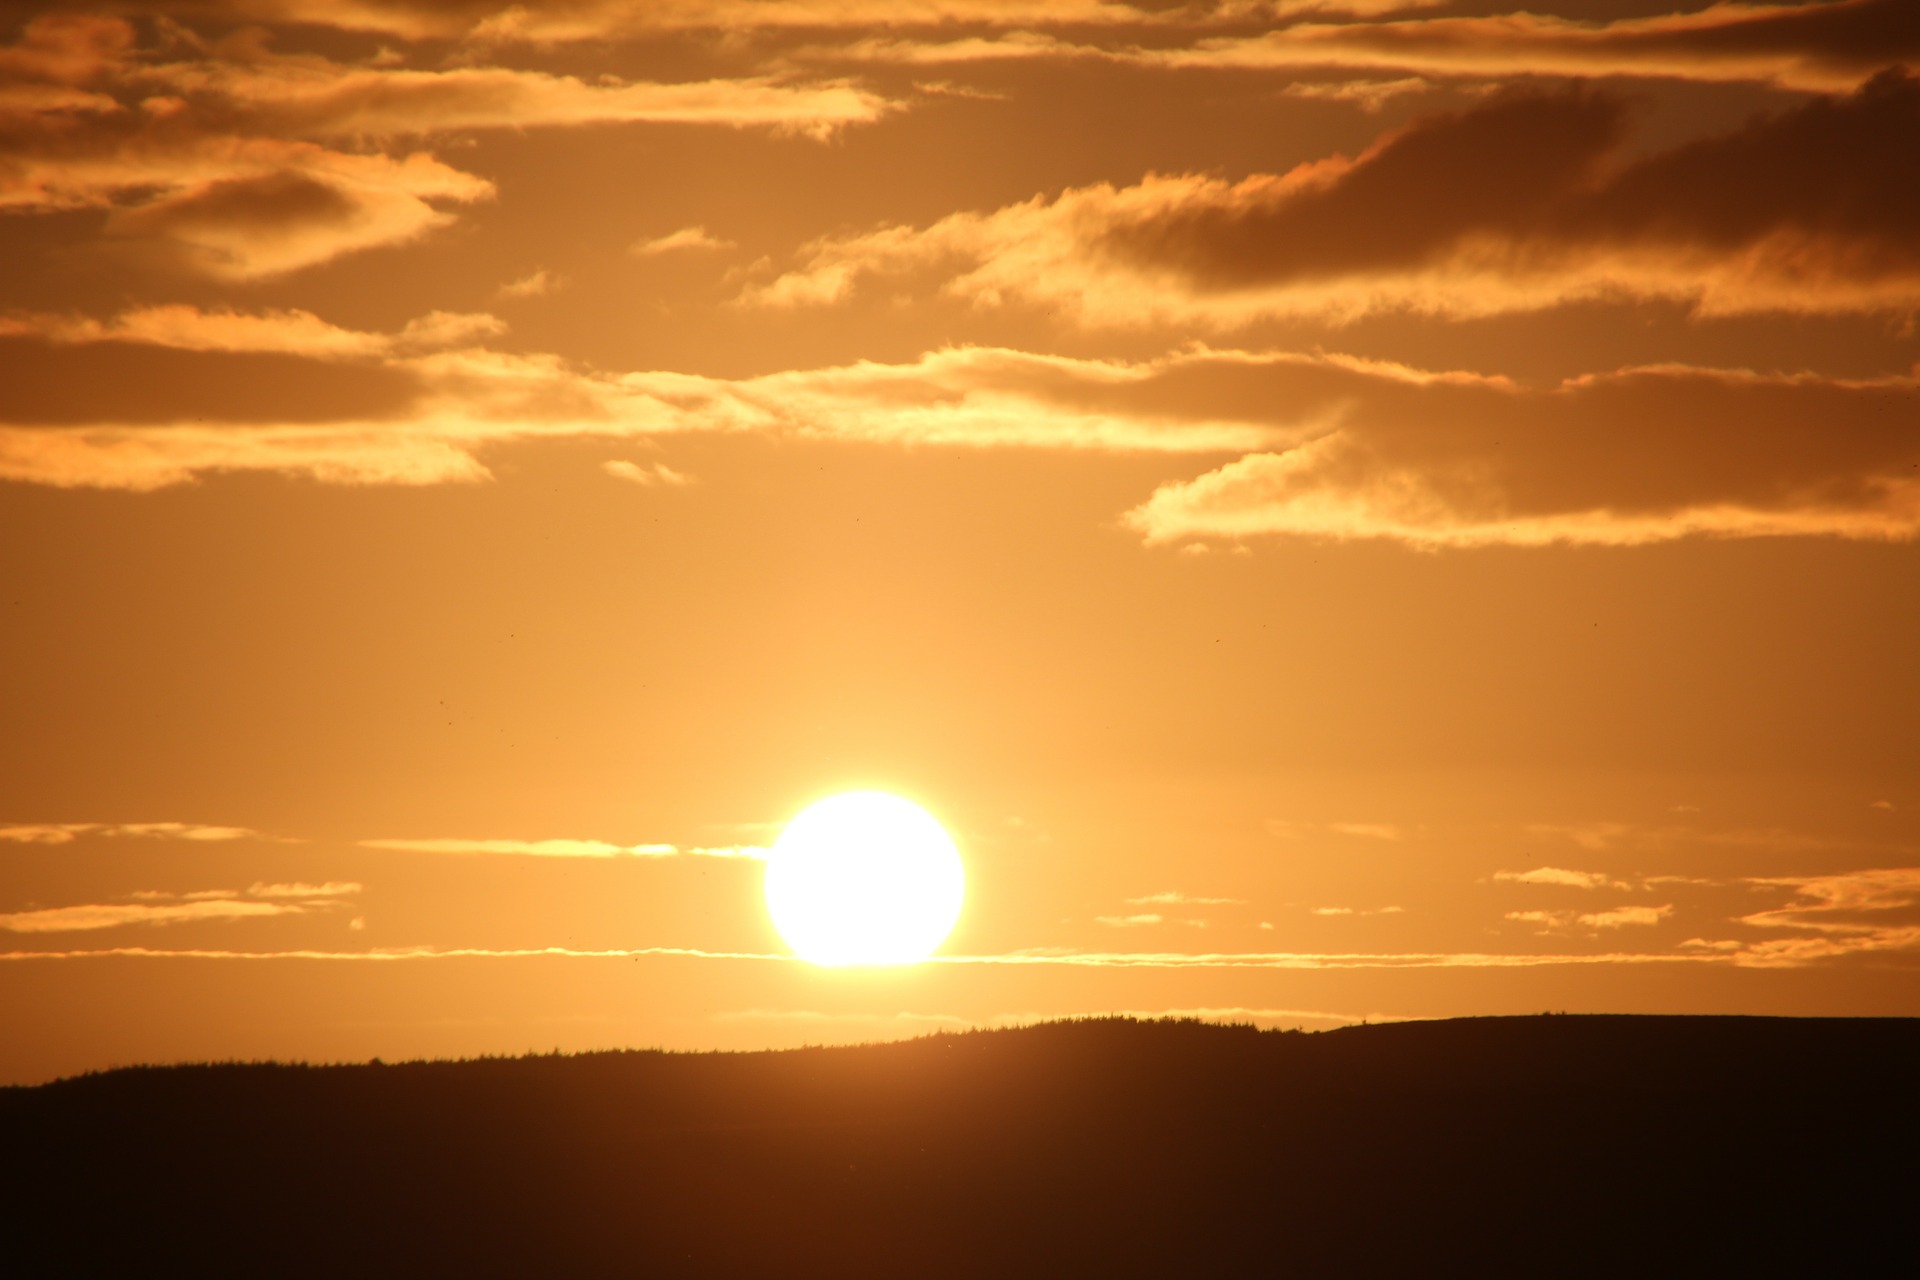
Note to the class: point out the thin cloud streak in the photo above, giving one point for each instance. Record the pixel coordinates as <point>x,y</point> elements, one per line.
<point>484,23</point>
<point>1563,877</point>
<point>1822,47</point>
<point>113,915</point>
<point>218,157</point>
<point>1529,200</point>
<point>565,848</point>
<point>1075,959</point>
<point>68,832</point>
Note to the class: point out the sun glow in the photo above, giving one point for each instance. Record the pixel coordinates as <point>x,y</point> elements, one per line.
<point>864,878</point>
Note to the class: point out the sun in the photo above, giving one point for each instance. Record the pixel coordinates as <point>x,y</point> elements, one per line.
<point>864,878</point>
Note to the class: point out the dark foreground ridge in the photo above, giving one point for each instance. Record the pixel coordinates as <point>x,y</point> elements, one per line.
<point>1614,1146</point>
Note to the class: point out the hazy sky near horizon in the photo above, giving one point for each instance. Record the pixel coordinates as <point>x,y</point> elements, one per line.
<point>1344,508</point>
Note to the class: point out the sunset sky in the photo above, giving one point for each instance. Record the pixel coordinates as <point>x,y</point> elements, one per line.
<point>1344,509</point>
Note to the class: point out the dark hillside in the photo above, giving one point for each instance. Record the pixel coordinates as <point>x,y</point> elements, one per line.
<point>1610,1146</point>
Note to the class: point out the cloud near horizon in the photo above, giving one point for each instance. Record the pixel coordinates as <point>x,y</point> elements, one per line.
<point>1528,200</point>
<point>1842,914</point>
<point>156,907</point>
<point>1561,876</point>
<point>565,848</point>
<point>68,832</point>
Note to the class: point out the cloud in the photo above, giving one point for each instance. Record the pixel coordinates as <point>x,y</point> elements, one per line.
<point>219,157</point>
<point>292,331</point>
<point>331,889</point>
<point>393,954</point>
<point>113,915</point>
<point>657,474</point>
<point>1368,95</point>
<point>1131,922</point>
<point>1366,830</point>
<point>1623,459</point>
<point>565,848</point>
<point>1849,902</point>
<point>1183,899</point>
<point>484,22</point>
<point>1285,960</point>
<point>537,285</point>
<point>1346,448</point>
<point>162,907</point>
<point>1527,200</point>
<point>1561,876</point>
<point>1829,45</point>
<point>1617,918</point>
<point>442,407</point>
<point>1620,917</point>
<point>684,240</point>
<point>67,832</point>
<point>1356,911</point>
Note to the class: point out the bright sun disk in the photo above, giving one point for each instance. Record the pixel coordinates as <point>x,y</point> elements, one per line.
<point>864,878</point>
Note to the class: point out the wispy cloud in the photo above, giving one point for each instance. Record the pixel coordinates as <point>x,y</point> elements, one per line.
<point>1825,45</point>
<point>686,239</point>
<point>1366,830</point>
<point>223,157</point>
<point>1183,899</point>
<point>1562,876</point>
<point>1620,917</point>
<point>1043,958</point>
<point>1529,200</point>
<point>160,907</point>
<point>296,889</point>
<point>67,832</point>
<point>485,23</point>
<point>1132,921</point>
<point>566,848</point>
<point>537,284</point>
<point>657,474</point>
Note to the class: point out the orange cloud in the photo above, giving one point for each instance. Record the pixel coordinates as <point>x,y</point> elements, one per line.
<point>1342,448</point>
<point>564,848</point>
<point>1526,201</point>
<point>1631,458</point>
<point>1561,876</point>
<point>436,409</point>
<point>1823,46</point>
<point>153,907</point>
<point>564,21</point>
<point>67,832</point>
<point>113,915</point>
<point>1044,958</point>
<point>213,156</point>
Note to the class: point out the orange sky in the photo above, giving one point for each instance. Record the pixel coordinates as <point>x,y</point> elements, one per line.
<point>1345,509</point>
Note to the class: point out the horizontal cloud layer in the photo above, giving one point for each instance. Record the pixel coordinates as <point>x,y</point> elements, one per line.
<point>562,21</point>
<point>68,832</point>
<point>1830,44</point>
<point>1639,456</point>
<point>1332,447</point>
<point>1826,45</point>
<point>566,848</point>
<point>152,907</point>
<point>1524,201</point>
<point>222,157</point>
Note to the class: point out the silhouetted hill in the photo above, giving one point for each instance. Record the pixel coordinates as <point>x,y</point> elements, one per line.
<point>1606,1146</point>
